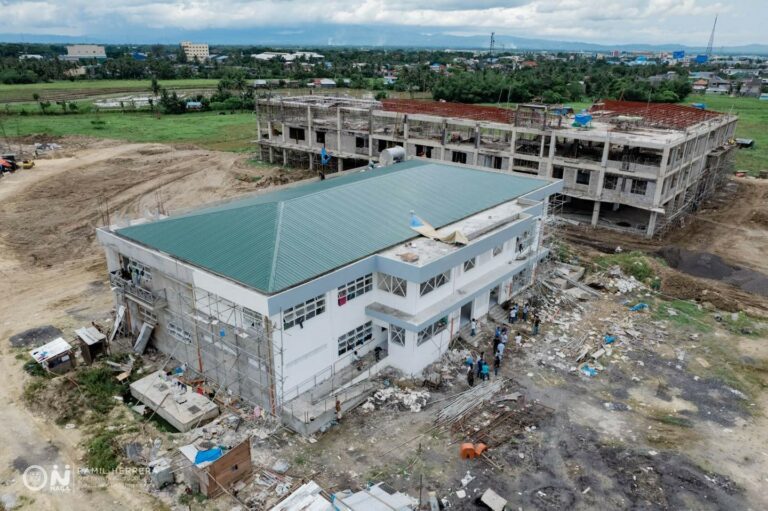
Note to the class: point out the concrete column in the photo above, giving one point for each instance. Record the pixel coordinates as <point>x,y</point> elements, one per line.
<point>285,157</point>
<point>271,154</point>
<point>651,225</point>
<point>338,129</point>
<point>311,161</point>
<point>595,213</point>
<point>341,164</point>
<point>512,150</point>
<point>269,130</point>
<point>309,128</point>
<point>258,124</point>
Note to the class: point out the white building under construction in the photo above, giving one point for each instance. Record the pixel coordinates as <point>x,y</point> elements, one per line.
<point>630,166</point>
<point>268,297</point>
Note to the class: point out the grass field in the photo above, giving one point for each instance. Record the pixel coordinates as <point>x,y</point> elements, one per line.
<point>753,123</point>
<point>231,132</point>
<point>81,89</point>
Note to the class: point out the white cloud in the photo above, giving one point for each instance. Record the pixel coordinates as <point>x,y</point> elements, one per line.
<point>614,21</point>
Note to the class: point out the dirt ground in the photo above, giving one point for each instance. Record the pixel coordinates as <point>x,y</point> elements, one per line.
<point>732,225</point>
<point>674,420</point>
<point>52,271</point>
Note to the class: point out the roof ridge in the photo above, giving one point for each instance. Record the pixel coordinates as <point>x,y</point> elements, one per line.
<point>278,230</point>
<point>345,185</point>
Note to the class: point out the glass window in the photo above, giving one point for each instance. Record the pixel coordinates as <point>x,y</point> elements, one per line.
<point>582,177</point>
<point>397,335</point>
<point>355,288</point>
<point>432,330</point>
<point>394,285</point>
<point>298,314</point>
<point>469,264</point>
<point>355,337</point>
<point>252,319</point>
<point>179,333</point>
<point>437,281</point>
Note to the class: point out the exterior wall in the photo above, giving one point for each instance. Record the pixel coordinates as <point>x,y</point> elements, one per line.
<point>540,152</point>
<point>86,51</point>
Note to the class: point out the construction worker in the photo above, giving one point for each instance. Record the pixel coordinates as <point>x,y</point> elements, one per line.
<point>473,327</point>
<point>496,364</point>
<point>536,323</point>
<point>471,377</point>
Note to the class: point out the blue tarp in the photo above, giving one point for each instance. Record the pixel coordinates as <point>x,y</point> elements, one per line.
<point>609,339</point>
<point>702,59</point>
<point>640,306</point>
<point>678,55</point>
<point>583,118</point>
<point>209,455</point>
<point>701,106</point>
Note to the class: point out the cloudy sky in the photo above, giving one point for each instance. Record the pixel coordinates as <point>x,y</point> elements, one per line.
<point>599,21</point>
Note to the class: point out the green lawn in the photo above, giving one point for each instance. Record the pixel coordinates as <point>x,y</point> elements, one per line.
<point>231,132</point>
<point>753,123</point>
<point>83,88</point>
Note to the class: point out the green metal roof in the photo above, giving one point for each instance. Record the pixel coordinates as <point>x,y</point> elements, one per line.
<point>274,241</point>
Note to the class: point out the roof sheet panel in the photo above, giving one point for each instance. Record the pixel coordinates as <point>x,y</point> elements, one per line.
<point>277,240</point>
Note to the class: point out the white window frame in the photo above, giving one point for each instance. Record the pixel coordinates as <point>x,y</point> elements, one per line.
<point>355,288</point>
<point>469,264</point>
<point>356,337</point>
<point>145,272</point>
<point>435,282</point>
<point>178,332</point>
<point>302,312</point>
<point>147,315</point>
<point>392,284</point>
<point>431,331</point>
<point>397,335</point>
<point>252,319</point>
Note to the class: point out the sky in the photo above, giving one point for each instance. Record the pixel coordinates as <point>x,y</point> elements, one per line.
<point>686,22</point>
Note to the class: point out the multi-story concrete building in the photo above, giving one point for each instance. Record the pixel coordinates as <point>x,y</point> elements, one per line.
<point>85,51</point>
<point>631,166</point>
<point>269,297</point>
<point>194,51</point>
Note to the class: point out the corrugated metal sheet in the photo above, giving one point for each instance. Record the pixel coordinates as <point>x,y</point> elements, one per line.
<point>277,240</point>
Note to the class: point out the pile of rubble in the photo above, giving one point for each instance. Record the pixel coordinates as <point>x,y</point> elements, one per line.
<point>397,398</point>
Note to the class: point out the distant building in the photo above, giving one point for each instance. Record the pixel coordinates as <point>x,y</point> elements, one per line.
<point>288,57</point>
<point>30,56</point>
<point>322,83</point>
<point>752,88</point>
<point>138,56</point>
<point>85,51</point>
<point>195,50</point>
<point>75,72</point>
<point>700,85</point>
<point>718,86</point>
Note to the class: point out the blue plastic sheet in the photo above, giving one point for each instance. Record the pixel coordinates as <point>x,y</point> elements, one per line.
<point>609,339</point>
<point>209,455</point>
<point>640,306</point>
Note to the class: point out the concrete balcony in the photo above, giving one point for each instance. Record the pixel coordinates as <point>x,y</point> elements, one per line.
<point>152,299</point>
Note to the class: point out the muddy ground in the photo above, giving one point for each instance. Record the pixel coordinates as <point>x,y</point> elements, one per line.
<point>674,420</point>
<point>53,273</point>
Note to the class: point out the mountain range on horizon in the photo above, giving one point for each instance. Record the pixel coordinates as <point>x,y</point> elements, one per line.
<point>363,36</point>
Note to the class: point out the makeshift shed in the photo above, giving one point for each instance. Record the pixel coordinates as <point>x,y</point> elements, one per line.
<point>92,343</point>
<point>215,468</point>
<point>56,356</point>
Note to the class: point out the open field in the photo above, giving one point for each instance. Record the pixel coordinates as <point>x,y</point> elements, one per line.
<point>82,89</point>
<point>230,132</point>
<point>753,119</point>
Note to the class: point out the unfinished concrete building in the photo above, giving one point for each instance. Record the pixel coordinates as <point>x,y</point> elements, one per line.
<point>271,299</point>
<point>632,166</point>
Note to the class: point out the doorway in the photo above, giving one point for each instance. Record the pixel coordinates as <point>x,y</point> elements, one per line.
<point>466,314</point>
<point>493,298</point>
